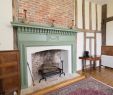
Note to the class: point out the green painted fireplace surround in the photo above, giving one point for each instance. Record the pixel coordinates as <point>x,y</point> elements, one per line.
<point>35,35</point>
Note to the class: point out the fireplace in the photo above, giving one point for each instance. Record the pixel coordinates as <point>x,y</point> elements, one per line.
<point>37,56</point>
<point>32,39</point>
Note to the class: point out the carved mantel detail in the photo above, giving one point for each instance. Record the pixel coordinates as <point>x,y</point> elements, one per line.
<point>42,29</point>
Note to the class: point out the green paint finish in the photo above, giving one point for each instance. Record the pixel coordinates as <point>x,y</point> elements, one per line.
<point>33,36</point>
<point>23,65</point>
<point>33,44</point>
<point>28,28</point>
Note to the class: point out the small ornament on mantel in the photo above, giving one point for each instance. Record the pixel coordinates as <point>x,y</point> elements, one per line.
<point>25,16</point>
<point>52,23</point>
<point>24,19</point>
<point>71,25</point>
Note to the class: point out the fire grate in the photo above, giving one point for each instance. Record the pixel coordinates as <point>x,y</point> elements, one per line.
<point>47,70</point>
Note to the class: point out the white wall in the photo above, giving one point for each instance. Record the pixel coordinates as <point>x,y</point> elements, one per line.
<point>79,15</point>
<point>80,34</point>
<point>6,31</point>
<point>80,45</point>
<point>109,29</point>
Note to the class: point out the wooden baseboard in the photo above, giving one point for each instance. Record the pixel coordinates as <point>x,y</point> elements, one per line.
<point>57,86</point>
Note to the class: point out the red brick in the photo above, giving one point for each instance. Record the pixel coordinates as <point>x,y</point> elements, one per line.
<point>43,11</point>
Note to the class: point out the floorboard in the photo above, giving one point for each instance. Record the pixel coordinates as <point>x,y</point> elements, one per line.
<point>105,75</point>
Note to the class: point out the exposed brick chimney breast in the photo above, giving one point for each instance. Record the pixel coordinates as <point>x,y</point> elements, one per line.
<point>45,11</point>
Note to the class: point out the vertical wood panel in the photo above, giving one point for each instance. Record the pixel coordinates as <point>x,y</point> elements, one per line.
<point>95,44</point>
<point>15,18</point>
<point>83,13</point>
<point>83,18</point>
<point>103,27</point>
<point>90,16</point>
<point>96,17</point>
<point>15,10</point>
<point>95,36</point>
<point>75,12</point>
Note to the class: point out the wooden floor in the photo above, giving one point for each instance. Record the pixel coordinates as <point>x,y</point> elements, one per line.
<point>106,75</point>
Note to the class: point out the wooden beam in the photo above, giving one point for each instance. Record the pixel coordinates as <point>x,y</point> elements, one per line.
<point>83,13</point>
<point>83,22</point>
<point>15,10</point>
<point>90,46</point>
<point>95,36</point>
<point>15,19</point>
<point>96,17</point>
<point>89,37</point>
<point>87,30</point>
<point>15,39</point>
<point>75,7</point>
<point>103,26</point>
<point>109,19</point>
<point>90,16</point>
<point>95,44</point>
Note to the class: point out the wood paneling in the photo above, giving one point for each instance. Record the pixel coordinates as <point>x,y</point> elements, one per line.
<point>107,50</point>
<point>9,72</point>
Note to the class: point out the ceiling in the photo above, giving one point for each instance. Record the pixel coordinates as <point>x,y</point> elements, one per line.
<point>100,1</point>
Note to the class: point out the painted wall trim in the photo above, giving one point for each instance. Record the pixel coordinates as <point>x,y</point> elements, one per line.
<point>34,27</point>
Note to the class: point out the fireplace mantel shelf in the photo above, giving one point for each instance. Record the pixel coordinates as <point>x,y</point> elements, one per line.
<point>46,29</point>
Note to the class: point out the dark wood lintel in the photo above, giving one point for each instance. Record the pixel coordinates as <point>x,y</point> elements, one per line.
<point>109,19</point>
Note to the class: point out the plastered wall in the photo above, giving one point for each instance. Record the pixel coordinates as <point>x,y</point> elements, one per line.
<point>6,31</point>
<point>109,28</point>
<point>80,34</point>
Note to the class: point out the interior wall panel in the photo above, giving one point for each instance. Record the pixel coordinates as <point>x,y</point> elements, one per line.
<point>93,17</point>
<point>99,16</point>
<point>79,15</point>
<point>110,9</point>
<point>87,15</point>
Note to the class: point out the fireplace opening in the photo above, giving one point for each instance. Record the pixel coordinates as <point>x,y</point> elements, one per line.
<point>47,61</point>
